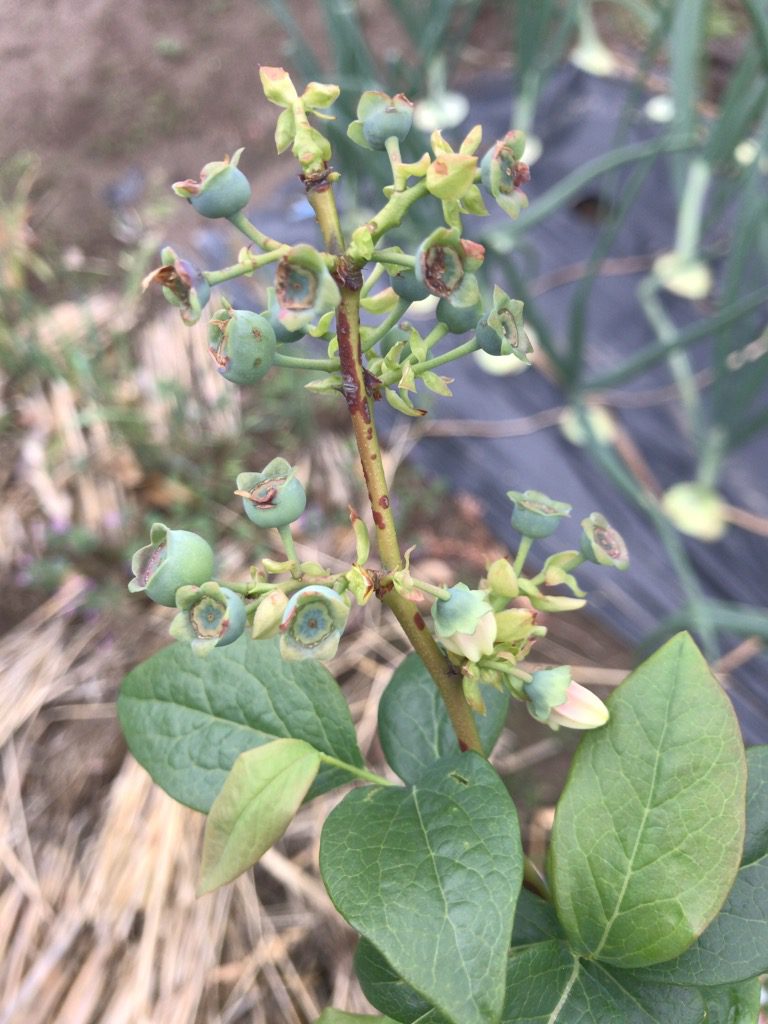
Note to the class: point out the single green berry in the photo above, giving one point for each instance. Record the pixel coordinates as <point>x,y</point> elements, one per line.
<point>172,559</point>
<point>312,624</point>
<point>502,331</point>
<point>222,191</point>
<point>459,312</point>
<point>183,284</point>
<point>393,337</point>
<point>380,117</point>
<point>503,173</point>
<point>443,258</point>
<point>304,288</point>
<point>535,515</point>
<point>242,344</point>
<point>210,616</point>
<point>272,313</point>
<point>273,497</point>
<point>407,286</point>
<point>601,543</point>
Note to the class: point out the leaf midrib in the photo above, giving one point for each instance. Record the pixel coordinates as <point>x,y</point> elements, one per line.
<point>641,829</point>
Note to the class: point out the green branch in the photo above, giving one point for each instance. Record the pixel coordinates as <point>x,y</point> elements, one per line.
<point>214,277</point>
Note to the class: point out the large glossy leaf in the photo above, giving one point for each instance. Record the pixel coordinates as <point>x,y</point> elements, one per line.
<point>650,827</point>
<point>187,718</point>
<point>255,806</point>
<point>735,946</point>
<point>430,875</point>
<point>414,727</point>
<point>547,984</point>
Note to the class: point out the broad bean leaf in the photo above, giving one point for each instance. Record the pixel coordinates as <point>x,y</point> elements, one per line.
<point>735,945</point>
<point>187,718</point>
<point>430,875</point>
<point>548,984</point>
<point>386,990</point>
<point>733,1004</point>
<point>259,798</point>
<point>649,829</point>
<point>414,727</point>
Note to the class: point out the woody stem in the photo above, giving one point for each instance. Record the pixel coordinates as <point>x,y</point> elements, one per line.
<point>360,406</point>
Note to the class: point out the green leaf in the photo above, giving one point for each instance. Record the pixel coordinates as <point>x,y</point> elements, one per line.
<point>650,826</point>
<point>259,798</point>
<point>756,835</point>
<point>386,990</point>
<point>733,1004</point>
<point>735,946</point>
<point>430,875</point>
<point>414,727</point>
<point>535,920</point>
<point>331,1016</point>
<point>186,718</point>
<point>548,984</point>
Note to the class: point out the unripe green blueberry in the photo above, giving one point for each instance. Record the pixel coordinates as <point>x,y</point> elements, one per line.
<point>392,337</point>
<point>535,515</point>
<point>242,344</point>
<point>502,331</point>
<point>304,288</point>
<point>407,286</point>
<point>461,311</point>
<point>312,624</point>
<point>183,284</point>
<point>272,313</point>
<point>222,191</point>
<point>381,117</point>
<point>602,544</point>
<point>503,173</point>
<point>172,559</point>
<point>210,616</point>
<point>273,497</point>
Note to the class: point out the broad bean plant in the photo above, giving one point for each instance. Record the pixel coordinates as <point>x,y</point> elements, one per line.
<point>654,902</point>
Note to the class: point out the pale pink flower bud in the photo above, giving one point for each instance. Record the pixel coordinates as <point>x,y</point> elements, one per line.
<point>475,645</point>
<point>582,709</point>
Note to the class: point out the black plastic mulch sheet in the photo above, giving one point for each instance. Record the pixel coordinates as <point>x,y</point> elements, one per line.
<point>580,118</point>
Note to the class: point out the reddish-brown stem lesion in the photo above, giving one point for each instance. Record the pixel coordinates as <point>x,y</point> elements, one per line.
<point>355,388</point>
